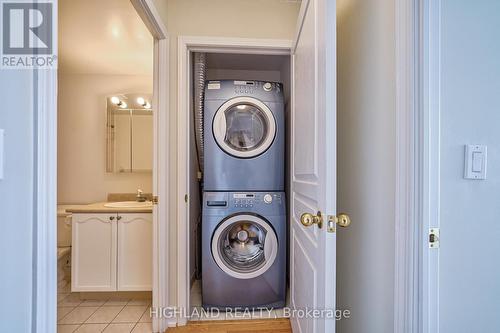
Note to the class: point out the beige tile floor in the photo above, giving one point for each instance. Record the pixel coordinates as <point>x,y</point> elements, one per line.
<point>108,316</point>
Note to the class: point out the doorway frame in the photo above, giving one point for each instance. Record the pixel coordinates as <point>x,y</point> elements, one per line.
<point>45,110</point>
<point>410,196</point>
<point>417,29</point>
<point>187,45</point>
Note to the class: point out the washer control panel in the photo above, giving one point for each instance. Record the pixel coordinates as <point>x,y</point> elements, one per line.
<point>244,200</point>
<point>250,200</point>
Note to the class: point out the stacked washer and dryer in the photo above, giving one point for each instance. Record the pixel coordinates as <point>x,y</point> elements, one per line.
<point>244,215</point>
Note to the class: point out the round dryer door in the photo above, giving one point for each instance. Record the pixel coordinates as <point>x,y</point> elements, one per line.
<point>244,127</point>
<point>244,246</point>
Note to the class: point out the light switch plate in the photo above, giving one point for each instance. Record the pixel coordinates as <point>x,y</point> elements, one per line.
<point>475,162</point>
<point>2,152</point>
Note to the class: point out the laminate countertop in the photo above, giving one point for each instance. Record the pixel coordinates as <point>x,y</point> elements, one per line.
<point>99,207</point>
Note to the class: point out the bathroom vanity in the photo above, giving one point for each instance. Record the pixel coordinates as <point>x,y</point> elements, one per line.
<point>111,248</point>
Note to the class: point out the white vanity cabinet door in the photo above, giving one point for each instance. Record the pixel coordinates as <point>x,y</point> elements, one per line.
<point>135,250</point>
<point>94,252</point>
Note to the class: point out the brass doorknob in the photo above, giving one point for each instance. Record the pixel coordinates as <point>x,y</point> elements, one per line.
<point>343,220</point>
<point>308,219</point>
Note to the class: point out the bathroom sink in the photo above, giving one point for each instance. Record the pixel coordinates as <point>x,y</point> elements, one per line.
<point>129,204</point>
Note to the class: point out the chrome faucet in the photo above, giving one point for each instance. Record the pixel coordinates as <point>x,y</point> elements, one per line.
<point>140,197</point>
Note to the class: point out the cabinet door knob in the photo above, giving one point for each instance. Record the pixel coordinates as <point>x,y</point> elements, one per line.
<point>111,218</point>
<point>118,218</point>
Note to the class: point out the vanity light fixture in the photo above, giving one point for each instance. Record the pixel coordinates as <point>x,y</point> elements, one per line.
<point>145,104</point>
<point>116,101</point>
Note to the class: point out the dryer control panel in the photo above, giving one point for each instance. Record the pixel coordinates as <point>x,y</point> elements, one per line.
<point>244,87</point>
<point>250,87</point>
<point>266,91</point>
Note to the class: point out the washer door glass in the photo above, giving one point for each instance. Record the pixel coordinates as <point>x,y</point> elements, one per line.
<point>244,246</point>
<point>244,127</point>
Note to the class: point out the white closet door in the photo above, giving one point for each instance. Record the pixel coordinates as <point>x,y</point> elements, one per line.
<point>93,252</point>
<point>313,187</point>
<point>135,247</point>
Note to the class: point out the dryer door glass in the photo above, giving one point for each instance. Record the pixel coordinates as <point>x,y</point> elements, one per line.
<point>244,127</point>
<point>244,246</point>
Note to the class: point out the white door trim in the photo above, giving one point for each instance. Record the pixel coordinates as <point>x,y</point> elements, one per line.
<point>430,159</point>
<point>417,178</point>
<point>151,18</point>
<point>44,306</point>
<point>45,110</point>
<point>146,9</point>
<point>45,217</point>
<point>407,215</point>
<point>186,45</point>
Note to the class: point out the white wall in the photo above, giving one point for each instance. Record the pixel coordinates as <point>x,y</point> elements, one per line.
<point>366,164</point>
<point>82,176</point>
<point>469,270</point>
<point>226,18</point>
<point>16,201</point>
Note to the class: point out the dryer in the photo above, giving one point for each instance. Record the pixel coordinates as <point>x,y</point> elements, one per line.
<point>244,136</point>
<point>243,250</point>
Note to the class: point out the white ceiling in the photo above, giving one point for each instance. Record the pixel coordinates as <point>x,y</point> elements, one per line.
<point>103,37</point>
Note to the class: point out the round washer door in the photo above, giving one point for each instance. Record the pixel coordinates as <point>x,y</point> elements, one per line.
<point>244,246</point>
<point>244,127</point>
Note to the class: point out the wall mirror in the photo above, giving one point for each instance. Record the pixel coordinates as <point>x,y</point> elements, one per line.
<point>129,126</point>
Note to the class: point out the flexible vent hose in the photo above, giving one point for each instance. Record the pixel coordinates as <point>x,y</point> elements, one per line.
<point>199,95</point>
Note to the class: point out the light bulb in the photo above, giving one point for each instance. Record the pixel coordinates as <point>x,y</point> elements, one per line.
<point>123,105</point>
<point>115,100</point>
<point>147,105</point>
<point>141,101</point>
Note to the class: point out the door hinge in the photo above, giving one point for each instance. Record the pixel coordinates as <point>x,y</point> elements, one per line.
<point>434,238</point>
<point>154,199</point>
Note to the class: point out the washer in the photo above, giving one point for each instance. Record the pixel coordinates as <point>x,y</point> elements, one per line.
<point>243,250</point>
<point>244,140</point>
